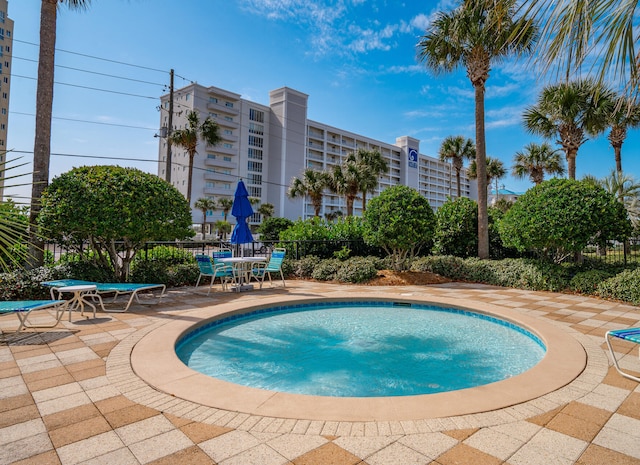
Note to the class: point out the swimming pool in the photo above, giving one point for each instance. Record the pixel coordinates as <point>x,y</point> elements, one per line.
<point>361,349</point>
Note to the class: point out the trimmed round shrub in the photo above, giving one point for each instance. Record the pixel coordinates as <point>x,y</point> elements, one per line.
<point>444,265</point>
<point>357,270</point>
<point>624,286</point>
<point>326,270</point>
<point>587,282</point>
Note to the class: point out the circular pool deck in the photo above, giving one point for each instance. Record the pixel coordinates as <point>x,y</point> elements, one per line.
<point>154,360</point>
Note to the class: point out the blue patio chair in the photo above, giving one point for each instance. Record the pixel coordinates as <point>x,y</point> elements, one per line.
<point>630,335</point>
<point>208,268</point>
<point>260,270</point>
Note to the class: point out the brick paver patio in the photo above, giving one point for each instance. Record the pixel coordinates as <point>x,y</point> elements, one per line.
<point>69,395</point>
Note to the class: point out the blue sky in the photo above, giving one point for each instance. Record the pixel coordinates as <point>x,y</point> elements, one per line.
<point>356,59</point>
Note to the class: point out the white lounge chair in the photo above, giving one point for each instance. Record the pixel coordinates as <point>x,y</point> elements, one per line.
<point>631,335</point>
<point>23,308</point>
<point>117,289</point>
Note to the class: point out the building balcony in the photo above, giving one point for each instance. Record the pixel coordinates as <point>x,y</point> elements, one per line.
<point>221,108</point>
<point>209,176</point>
<point>220,163</point>
<point>221,149</point>
<point>220,191</point>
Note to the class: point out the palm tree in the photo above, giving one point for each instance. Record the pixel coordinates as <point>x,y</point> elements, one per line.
<point>494,170</point>
<point>187,138</point>
<point>346,179</point>
<point>371,164</point>
<point>625,114</point>
<point>627,189</point>
<point>536,160</point>
<point>474,35</point>
<point>205,204</point>
<point>312,184</point>
<point>266,210</point>
<point>44,106</point>
<point>225,205</point>
<point>601,30</point>
<point>457,149</point>
<point>569,111</point>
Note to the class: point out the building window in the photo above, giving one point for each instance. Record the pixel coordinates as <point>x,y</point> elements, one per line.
<point>255,141</point>
<point>213,100</point>
<point>226,158</point>
<point>228,118</point>
<point>228,104</point>
<point>256,115</point>
<point>4,111</point>
<point>254,191</point>
<point>256,128</point>
<point>254,166</point>
<point>254,179</point>
<point>211,156</point>
<point>210,184</point>
<point>227,145</point>
<point>186,97</point>
<point>228,132</point>
<point>256,154</point>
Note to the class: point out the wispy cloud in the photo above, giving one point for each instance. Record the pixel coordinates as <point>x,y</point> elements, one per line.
<point>332,25</point>
<point>504,117</point>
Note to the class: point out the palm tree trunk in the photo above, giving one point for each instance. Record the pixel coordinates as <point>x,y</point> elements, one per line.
<point>458,183</point>
<point>42,143</point>
<point>571,164</point>
<point>190,180</point>
<point>481,171</point>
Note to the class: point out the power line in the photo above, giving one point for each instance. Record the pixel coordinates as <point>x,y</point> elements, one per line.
<point>87,121</point>
<point>95,72</point>
<point>90,88</point>
<point>97,58</point>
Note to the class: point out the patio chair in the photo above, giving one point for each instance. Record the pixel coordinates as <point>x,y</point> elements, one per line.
<point>631,335</point>
<point>220,271</point>
<point>117,289</point>
<point>260,270</point>
<point>23,308</point>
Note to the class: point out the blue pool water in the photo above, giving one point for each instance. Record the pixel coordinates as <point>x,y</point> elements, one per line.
<point>364,349</point>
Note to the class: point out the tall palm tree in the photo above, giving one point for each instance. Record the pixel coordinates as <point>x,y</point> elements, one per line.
<point>205,204</point>
<point>371,164</point>
<point>44,106</point>
<point>188,137</point>
<point>225,205</point>
<point>625,114</point>
<point>457,149</point>
<point>599,30</point>
<point>536,160</point>
<point>346,179</point>
<point>311,184</point>
<point>475,35</point>
<point>569,111</point>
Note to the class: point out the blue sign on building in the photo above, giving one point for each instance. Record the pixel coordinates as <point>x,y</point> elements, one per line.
<point>413,158</point>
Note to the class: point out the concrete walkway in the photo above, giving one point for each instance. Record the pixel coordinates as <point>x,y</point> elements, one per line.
<point>70,395</point>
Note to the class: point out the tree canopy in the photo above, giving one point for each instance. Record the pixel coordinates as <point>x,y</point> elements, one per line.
<point>401,221</point>
<point>113,209</point>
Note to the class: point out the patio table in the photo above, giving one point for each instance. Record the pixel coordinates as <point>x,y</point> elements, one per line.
<point>242,269</point>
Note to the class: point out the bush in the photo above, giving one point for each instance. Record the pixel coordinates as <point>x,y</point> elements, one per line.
<point>271,228</point>
<point>587,282</point>
<point>357,270</point>
<point>25,285</point>
<point>304,267</point>
<point>624,286</point>
<point>457,228</point>
<point>444,265</point>
<point>559,217</point>
<point>157,272</point>
<point>87,270</point>
<point>326,270</point>
<point>167,254</point>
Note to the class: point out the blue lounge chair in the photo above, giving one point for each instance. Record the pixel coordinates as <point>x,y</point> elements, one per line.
<point>208,268</point>
<point>631,335</point>
<point>117,289</point>
<point>23,308</point>
<point>260,270</point>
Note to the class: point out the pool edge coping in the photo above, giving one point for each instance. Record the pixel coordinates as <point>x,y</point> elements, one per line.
<point>153,360</point>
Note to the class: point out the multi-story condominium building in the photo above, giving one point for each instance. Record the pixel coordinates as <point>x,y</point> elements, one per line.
<point>267,146</point>
<point>6,51</point>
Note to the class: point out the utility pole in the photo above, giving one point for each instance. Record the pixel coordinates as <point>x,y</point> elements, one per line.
<point>169,129</point>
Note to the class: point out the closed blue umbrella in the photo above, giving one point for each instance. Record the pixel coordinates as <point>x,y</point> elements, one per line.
<point>241,210</point>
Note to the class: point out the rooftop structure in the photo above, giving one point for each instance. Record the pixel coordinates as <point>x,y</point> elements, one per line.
<point>6,51</point>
